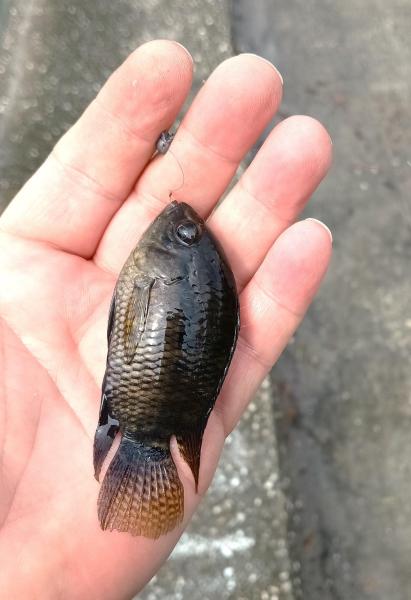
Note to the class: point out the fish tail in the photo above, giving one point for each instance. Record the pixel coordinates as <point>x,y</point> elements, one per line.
<point>141,492</point>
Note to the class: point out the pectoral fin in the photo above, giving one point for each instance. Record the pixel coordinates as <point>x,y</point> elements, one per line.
<point>136,316</point>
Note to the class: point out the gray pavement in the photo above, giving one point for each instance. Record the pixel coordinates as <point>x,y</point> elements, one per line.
<point>343,388</point>
<point>312,497</point>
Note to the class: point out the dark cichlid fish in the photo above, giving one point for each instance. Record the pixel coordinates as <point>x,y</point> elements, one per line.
<point>172,331</point>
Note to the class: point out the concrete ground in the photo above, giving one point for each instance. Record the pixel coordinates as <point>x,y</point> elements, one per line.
<point>343,387</point>
<point>312,497</point>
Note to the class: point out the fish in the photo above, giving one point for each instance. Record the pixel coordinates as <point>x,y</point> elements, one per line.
<point>172,330</point>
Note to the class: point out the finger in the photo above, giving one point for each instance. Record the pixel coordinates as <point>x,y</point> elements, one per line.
<point>74,194</point>
<point>272,306</point>
<point>224,121</point>
<point>271,193</point>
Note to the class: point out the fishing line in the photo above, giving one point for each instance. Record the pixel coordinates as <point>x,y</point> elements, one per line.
<point>163,147</point>
<point>182,173</point>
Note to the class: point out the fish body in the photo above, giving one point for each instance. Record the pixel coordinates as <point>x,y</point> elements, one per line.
<point>172,331</point>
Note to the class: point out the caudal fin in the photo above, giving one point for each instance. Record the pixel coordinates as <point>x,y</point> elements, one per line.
<point>141,492</point>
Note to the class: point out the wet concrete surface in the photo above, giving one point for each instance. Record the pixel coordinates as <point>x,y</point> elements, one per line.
<point>329,516</point>
<point>343,387</point>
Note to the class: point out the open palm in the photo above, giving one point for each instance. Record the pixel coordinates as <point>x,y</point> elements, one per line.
<point>63,241</point>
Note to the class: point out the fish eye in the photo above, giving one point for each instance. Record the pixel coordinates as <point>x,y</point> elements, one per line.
<point>187,232</point>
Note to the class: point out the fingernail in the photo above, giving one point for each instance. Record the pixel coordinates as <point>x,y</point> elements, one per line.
<point>328,230</point>
<point>268,63</point>
<point>185,50</point>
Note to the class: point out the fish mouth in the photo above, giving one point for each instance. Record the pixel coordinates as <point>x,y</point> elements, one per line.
<point>172,207</point>
<point>183,210</point>
<point>179,211</point>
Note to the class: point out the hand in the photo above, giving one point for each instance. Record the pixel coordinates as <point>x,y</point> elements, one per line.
<point>63,241</point>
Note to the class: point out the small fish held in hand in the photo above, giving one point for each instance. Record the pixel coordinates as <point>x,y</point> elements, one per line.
<point>172,331</point>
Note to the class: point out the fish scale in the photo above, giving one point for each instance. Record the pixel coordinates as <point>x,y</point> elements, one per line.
<point>172,331</point>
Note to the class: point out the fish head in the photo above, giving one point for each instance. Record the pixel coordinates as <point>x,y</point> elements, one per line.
<point>177,228</point>
<point>169,243</point>
<point>179,245</point>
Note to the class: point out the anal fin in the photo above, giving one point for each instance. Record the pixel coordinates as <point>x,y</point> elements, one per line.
<point>190,447</point>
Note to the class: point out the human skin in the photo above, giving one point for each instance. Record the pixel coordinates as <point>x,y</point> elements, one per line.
<point>63,240</point>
